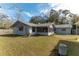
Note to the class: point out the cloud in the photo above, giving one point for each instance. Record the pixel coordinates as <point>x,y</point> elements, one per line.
<point>45,12</point>
<point>28,14</point>
<point>8,12</point>
<point>44,9</point>
<point>2,11</point>
<point>54,5</point>
<point>50,6</point>
<point>72,5</point>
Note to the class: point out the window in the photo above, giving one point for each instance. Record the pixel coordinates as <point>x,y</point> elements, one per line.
<point>33,29</point>
<point>20,28</point>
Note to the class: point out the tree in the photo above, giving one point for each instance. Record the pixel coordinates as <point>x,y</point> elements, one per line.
<point>57,17</point>
<point>66,12</point>
<point>37,19</point>
<point>54,16</point>
<point>5,21</point>
<point>75,18</point>
<point>66,17</point>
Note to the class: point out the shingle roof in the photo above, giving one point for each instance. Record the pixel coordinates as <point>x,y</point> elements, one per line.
<point>31,24</point>
<point>45,24</point>
<point>63,26</point>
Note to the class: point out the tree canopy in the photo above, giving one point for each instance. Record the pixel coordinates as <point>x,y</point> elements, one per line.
<point>37,19</point>
<point>5,21</point>
<point>57,17</point>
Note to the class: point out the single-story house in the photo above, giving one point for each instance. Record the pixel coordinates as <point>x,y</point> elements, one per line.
<point>63,29</point>
<point>21,28</point>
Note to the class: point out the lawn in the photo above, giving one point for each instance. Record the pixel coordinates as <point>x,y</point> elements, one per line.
<point>36,45</point>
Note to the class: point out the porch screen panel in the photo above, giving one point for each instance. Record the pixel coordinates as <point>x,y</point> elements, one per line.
<point>33,29</point>
<point>42,29</point>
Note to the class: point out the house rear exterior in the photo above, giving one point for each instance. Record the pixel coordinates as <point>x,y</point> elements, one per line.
<point>21,28</point>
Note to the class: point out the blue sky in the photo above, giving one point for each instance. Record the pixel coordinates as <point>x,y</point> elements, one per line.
<point>34,9</point>
<point>28,9</point>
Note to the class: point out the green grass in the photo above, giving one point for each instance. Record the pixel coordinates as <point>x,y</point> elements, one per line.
<point>36,45</point>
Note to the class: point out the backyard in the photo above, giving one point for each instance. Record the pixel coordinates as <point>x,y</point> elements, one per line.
<point>37,45</point>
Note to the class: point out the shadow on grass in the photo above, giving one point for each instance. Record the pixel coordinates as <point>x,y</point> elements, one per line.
<point>11,35</point>
<point>72,47</point>
<point>16,35</point>
<point>39,35</point>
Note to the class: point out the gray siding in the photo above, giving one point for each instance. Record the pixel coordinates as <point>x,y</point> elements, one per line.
<point>25,30</point>
<point>74,31</point>
<point>61,31</point>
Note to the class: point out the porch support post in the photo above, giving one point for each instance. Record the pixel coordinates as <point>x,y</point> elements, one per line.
<point>76,29</point>
<point>48,30</point>
<point>36,29</point>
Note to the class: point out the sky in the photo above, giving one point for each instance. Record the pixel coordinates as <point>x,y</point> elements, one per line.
<point>27,9</point>
<point>33,9</point>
